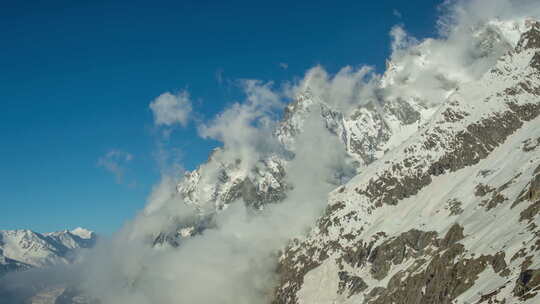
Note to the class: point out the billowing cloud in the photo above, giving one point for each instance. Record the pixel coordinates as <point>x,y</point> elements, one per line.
<point>472,36</point>
<point>115,161</point>
<point>245,129</point>
<point>460,16</point>
<point>349,87</point>
<point>400,39</point>
<point>236,256</point>
<point>170,109</point>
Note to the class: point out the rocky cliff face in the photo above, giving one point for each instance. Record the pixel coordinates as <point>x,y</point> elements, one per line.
<point>448,216</point>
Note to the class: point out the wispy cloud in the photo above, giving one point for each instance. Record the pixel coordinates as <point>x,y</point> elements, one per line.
<point>401,40</point>
<point>219,75</point>
<point>245,128</point>
<point>396,13</point>
<point>115,161</point>
<point>284,65</point>
<point>170,109</point>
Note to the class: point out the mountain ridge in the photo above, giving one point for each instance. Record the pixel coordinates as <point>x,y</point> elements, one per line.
<point>24,249</point>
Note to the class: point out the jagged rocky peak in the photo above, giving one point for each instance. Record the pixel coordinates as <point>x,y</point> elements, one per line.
<point>451,215</point>
<point>217,183</point>
<point>294,115</point>
<point>222,183</point>
<point>364,133</point>
<point>531,38</point>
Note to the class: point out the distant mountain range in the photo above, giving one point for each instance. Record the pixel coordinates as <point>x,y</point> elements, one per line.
<point>24,249</point>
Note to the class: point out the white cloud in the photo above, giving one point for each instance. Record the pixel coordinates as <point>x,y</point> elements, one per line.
<point>462,15</point>
<point>245,128</point>
<point>169,109</point>
<point>284,65</point>
<point>236,256</point>
<point>348,88</point>
<point>115,161</point>
<point>400,39</point>
<point>396,13</point>
<point>467,47</point>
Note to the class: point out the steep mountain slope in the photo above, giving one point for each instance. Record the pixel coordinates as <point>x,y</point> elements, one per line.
<point>449,216</point>
<point>23,249</point>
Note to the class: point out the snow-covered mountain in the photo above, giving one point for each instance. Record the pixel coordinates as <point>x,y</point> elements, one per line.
<point>444,204</point>
<point>24,249</point>
<point>437,200</point>
<point>448,216</point>
<point>367,130</point>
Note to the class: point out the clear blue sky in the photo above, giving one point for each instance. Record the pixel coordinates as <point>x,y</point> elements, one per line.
<point>76,78</point>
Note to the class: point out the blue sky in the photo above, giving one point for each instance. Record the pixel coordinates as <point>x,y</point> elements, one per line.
<point>76,79</point>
